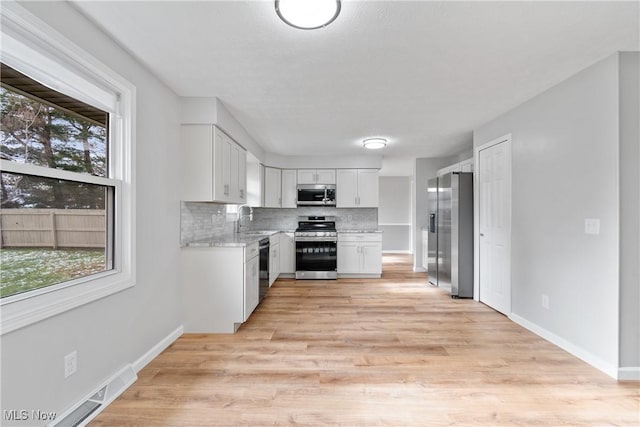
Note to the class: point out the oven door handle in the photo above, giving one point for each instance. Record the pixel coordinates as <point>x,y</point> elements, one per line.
<point>317,239</point>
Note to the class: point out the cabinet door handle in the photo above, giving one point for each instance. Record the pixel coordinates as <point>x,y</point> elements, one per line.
<point>241,193</point>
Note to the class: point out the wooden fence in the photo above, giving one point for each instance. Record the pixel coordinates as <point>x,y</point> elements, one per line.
<point>54,228</point>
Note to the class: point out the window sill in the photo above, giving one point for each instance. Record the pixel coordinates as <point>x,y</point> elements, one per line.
<point>23,310</point>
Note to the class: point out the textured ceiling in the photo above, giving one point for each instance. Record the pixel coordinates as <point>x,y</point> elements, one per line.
<point>423,74</point>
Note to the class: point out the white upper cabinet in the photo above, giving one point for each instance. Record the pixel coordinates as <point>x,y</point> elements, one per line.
<point>368,188</point>
<point>289,188</point>
<point>213,166</point>
<point>316,176</point>
<point>357,188</point>
<point>272,187</point>
<point>242,174</point>
<point>346,188</point>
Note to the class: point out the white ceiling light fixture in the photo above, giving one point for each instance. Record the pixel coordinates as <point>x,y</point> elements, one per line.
<point>374,143</point>
<point>308,14</point>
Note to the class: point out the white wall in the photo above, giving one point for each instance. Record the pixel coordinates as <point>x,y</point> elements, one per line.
<point>116,330</point>
<point>629,210</point>
<point>565,154</point>
<point>394,213</point>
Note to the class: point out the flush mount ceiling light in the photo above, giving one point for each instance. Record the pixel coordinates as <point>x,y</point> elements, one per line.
<point>308,14</point>
<point>374,143</point>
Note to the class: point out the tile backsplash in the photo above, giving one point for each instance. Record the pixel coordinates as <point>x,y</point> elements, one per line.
<point>287,219</point>
<point>200,220</point>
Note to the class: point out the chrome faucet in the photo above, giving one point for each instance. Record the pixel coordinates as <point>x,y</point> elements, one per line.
<point>240,216</point>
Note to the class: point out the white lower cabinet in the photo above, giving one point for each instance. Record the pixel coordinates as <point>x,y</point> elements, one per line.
<point>359,254</point>
<point>251,286</point>
<point>220,287</point>
<point>274,258</point>
<point>287,254</point>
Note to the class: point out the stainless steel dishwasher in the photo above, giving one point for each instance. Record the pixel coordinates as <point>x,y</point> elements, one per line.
<point>264,267</point>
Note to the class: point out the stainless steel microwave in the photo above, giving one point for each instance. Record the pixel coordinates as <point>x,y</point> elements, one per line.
<point>316,195</point>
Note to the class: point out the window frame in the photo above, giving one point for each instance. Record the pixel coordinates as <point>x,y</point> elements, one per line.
<point>34,48</point>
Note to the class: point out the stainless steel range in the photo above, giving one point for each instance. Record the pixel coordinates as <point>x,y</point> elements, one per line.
<point>316,248</point>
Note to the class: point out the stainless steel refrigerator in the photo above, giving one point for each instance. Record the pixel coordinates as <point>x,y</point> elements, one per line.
<point>452,222</point>
<point>432,242</point>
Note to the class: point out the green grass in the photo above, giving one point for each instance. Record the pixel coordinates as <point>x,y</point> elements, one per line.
<point>25,269</point>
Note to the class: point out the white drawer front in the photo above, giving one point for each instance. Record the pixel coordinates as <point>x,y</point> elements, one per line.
<point>359,237</point>
<point>251,250</point>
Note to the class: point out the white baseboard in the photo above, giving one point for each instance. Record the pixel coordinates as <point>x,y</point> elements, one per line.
<point>419,270</point>
<point>398,252</point>
<point>157,349</point>
<point>629,374</point>
<point>579,352</point>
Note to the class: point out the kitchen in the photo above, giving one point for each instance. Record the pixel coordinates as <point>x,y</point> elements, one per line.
<point>445,82</point>
<point>317,224</point>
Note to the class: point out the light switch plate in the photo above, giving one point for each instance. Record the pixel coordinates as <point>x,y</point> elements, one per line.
<point>592,226</point>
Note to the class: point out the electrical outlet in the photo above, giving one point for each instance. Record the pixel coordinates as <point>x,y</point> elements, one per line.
<point>70,363</point>
<point>592,226</point>
<point>545,301</point>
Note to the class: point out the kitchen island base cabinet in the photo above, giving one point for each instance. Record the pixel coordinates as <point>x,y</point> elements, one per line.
<point>220,287</point>
<point>359,255</point>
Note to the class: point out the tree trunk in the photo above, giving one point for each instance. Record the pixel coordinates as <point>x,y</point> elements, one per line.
<point>58,197</point>
<point>84,134</point>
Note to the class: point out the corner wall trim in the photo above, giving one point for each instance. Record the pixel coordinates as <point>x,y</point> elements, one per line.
<point>157,349</point>
<point>629,374</point>
<point>578,352</point>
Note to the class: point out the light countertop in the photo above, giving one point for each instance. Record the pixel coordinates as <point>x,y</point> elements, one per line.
<point>239,240</point>
<point>234,240</point>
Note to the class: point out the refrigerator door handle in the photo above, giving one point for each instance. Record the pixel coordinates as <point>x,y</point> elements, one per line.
<point>432,223</point>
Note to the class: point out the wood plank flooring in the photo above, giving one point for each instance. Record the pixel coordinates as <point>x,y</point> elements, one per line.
<point>394,351</point>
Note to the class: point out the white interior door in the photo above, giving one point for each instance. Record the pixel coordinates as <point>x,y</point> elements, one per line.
<point>494,210</point>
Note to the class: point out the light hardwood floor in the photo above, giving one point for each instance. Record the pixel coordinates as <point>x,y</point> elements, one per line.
<point>394,351</point>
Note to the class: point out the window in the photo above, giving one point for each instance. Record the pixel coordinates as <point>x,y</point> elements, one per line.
<point>66,151</point>
<point>52,230</point>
